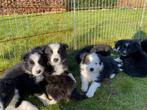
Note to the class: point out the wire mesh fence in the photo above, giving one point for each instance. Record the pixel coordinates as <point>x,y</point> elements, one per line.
<point>28,23</point>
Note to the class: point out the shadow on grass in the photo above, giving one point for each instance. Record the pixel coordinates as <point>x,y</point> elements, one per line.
<point>140,35</point>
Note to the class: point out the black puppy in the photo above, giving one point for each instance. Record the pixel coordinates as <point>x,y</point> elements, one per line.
<point>132,57</point>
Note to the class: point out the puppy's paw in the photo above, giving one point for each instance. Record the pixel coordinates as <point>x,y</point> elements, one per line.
<point>83,89</point>
<point>119,65</point>
<point>118,60</point>
<point>112,76</point>
<point>120,69</point>
<point>89,94</point>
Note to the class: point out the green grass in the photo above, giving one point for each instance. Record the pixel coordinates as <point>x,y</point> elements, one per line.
<point>92,27</point>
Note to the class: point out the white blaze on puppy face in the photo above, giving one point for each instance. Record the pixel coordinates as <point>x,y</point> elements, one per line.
<point>94,65</point>
<point>1,105</point>
<point>55,57</point>
<point>37,69</point>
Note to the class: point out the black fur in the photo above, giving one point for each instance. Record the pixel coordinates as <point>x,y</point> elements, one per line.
<point>104,50</point>
<point>134,59</point>
<point>110,67</point>
<point>26,86</point>
<point>144,45</point>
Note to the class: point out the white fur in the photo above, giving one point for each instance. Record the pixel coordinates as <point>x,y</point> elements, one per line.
<point>85,84</point>
<point>35,57</point>
<point>1,106</point>
<point>112,76</point>
<point>43,99</point>
<point>87,76</point>
<point>58,69</point>
<point>92,89</point>
<point>72,77</point>
<point>55,47</point>
<point>118,60</point>
<point>117,49</point>
<point>25,105</point>
<point>13,102</point>
<point>39,78</point>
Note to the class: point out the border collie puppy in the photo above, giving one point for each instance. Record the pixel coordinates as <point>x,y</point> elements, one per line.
<point>144,45</point>
<point>56,54</point>
<point>10,96</point>
<point>31,70</point>
<point>34,63</point>
<point>132,57</point>
<point>95,68</point>
<point>14,91</point>
<point>62,87</point>
<point>102,49</point>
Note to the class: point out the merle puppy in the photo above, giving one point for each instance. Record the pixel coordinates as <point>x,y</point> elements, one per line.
<point>132,57</point>
<point>62,87</point>
<point>56,54</point>
<point>95,68</point>
<point>102,49</point>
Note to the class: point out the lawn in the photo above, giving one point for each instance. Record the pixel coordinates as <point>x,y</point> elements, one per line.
<point>20,32</point>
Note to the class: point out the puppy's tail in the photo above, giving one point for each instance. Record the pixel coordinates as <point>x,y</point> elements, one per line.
<point>77,95</point>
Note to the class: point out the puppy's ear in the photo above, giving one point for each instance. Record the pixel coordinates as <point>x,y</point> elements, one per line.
<point>24,56</point>
<point>64,45</point>
<point>47,49</point>
<point>83,57</point>
<point>115,42</point>
<point>137,45</point>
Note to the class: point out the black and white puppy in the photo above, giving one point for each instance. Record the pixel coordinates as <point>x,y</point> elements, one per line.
<point>95,68</point>
<point>132,57</point>
<point>29,74</point>
<point>14,91</point>
<point>56,54</point>
<point>11,92</point>
<point>102,49</point>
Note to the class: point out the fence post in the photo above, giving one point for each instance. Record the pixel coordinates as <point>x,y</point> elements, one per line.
<point>143,14</point>
<point>75,41</point>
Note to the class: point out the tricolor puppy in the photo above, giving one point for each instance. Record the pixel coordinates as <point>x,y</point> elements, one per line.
<point>62,87</point>
<point>95,68</point>
<point>132,57</point>
<point>56,54</point>
<point>102,49</point>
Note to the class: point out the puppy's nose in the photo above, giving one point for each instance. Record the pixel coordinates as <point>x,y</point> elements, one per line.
<point>38,71</point>
<point>91,69</point>
<point>56,59</point>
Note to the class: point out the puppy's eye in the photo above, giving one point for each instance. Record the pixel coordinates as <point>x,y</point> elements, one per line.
<point>32,62</point>
<point>96,63</point>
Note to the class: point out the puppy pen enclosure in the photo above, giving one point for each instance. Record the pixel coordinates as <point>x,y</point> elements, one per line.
<point>28,23</point>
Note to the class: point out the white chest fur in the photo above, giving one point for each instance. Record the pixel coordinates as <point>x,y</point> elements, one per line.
<point>59,69</point>
<point>87,75</point>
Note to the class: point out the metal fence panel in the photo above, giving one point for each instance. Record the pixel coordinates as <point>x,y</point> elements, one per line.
<point>75,22</point>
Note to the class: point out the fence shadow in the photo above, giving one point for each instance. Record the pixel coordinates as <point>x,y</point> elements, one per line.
<point>140,35</point>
